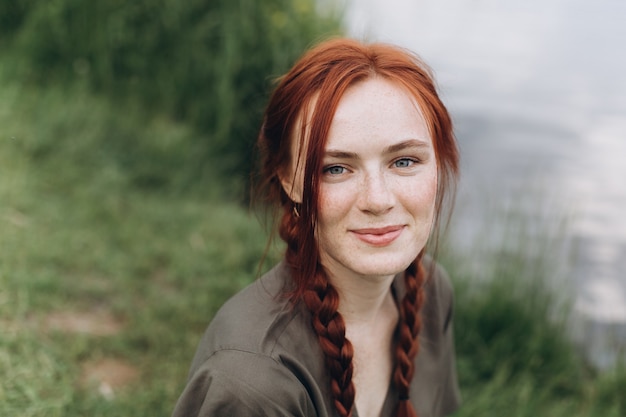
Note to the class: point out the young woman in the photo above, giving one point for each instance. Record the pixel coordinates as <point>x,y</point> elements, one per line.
<point>359,156</point>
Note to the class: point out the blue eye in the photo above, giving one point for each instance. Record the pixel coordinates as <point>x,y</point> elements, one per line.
<point>334,170</point>
<point>403,163</point>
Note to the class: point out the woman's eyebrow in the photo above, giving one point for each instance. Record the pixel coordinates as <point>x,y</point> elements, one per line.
<point>332,153</point>
<point>397,147</point>
<point>410,143</point>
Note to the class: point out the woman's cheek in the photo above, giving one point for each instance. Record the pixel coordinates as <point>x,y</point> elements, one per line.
<point>332,202</point>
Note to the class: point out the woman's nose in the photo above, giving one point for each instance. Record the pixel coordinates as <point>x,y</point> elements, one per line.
<point>376,196</point>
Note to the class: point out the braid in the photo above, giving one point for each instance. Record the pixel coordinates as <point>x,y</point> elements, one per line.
<point>323,300</point>
<point>408,331</point>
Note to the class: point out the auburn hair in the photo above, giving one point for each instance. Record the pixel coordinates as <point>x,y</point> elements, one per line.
<point>302,106</point>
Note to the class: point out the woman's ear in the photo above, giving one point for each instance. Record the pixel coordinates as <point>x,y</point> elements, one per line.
<point>292,185</point>
<point>292,175</point>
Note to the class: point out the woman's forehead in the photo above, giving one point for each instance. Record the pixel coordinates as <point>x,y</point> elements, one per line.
<point>372,116</point>
<point>377,109</point>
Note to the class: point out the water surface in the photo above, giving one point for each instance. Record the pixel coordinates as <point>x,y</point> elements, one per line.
<point>537,90</point>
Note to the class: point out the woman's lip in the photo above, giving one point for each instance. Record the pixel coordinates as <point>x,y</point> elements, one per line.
<point>379,236</point>
<point>378,230</point>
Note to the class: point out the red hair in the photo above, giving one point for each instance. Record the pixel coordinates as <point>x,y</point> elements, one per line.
<point>306,98</point>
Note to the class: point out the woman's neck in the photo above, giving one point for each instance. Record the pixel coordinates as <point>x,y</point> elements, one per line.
<point>363,299</point>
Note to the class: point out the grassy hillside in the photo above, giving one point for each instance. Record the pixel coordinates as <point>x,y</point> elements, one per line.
<point>100,278</point>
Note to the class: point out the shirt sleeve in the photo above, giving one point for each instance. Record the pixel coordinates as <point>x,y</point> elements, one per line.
<point>243,384</point>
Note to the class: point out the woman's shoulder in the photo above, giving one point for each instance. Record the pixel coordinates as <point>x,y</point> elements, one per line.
<point>437,284</point>
<point>258,353</point>
<point>253,320</point>
<point>435,385</point>
<point>438,308</point>
<point>438,281</point>
<point>239,383</point>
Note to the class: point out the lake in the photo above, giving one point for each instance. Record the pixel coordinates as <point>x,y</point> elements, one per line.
<point>537,90</point>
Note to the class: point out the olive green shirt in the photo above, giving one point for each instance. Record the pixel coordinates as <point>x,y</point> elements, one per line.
<point>261,357</point>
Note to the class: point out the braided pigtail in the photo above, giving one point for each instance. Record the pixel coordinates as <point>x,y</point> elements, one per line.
<point>408,330</point>
<point>322,300</point>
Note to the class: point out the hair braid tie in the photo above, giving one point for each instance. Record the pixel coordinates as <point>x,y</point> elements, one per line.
<point>405,409</point>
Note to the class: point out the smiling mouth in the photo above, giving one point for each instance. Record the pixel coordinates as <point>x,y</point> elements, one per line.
<point>382,236</point>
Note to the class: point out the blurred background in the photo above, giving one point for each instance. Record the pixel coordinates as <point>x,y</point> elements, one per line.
<point>538,93</point>
<point>126,143</point>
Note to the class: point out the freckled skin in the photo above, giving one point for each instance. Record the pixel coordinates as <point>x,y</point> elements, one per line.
<point>380,171</point>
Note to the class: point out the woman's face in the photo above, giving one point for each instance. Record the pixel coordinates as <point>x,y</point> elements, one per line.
<point>379,183</point>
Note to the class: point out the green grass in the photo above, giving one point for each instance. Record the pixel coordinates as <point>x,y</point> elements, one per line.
<point>79,234</point>
<point>90,225</point>
<point>514,351</point>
